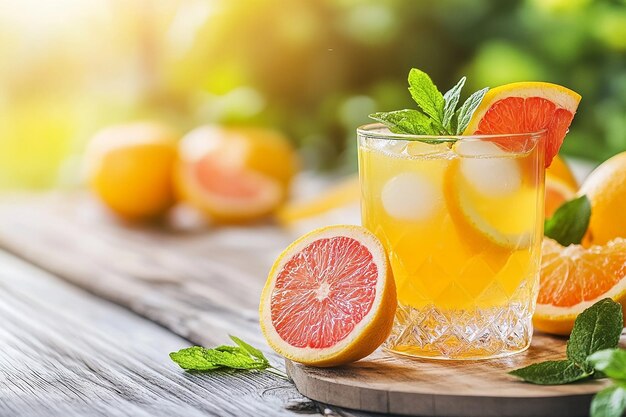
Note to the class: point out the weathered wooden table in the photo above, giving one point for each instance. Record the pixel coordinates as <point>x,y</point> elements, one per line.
<point>100,346</point>
<point>90,309</point>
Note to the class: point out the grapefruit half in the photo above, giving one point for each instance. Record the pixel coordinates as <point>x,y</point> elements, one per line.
<point>330,297</point>
<point>234,175</point>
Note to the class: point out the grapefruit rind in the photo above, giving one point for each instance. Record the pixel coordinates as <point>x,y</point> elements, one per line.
<point>367,335</point>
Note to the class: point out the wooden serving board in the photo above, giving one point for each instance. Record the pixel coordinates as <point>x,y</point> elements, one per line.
<point>388,383</point>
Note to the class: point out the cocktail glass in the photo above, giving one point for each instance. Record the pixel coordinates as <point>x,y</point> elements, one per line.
<point>461,218</point>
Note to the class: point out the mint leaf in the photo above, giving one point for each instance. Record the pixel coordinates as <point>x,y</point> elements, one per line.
<point>598,327</point>
<point>193,359</point>
<point>410,122</point>
<point>569,223</point>
<point>611,362</point>
<point>240,357</point>
<point>427,96</point>
<point>451,99</point>
<point>610,402</point>
<point>252,351</point>
<point>551,373</point>
<point>468,108</point>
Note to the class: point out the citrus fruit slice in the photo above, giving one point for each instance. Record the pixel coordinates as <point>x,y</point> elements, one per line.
<point>343,194</point>
<point>606,189</point>
<point>130,168</point>
<point>561,170</point>
<point>557,193</point>
<point>329,298</point>
<point>234,175</point>
<point>526,107</point>
<point>481,188</point>
<point>574,278</point>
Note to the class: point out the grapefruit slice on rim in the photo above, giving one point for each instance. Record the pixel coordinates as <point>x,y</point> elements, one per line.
<point>329,298</point>
<point>526,107</point>
<point>573,278</point>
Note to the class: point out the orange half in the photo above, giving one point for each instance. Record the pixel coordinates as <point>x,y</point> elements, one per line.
<point>574,278</point>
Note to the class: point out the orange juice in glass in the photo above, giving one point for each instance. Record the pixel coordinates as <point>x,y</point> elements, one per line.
<point>461,218</point>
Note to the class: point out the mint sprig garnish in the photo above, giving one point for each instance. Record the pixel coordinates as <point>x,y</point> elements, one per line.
<point>569,222</point>
<point>437,113</point>
<point>591,352</point>
<point>551,372</point>
<point>598,327</point>
<point>611,401</point>
<point>240,357</point>
<point>468,108</point>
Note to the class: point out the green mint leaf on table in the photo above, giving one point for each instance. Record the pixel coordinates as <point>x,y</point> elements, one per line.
<point>410,122</point>
<point>598,327</point>
<point>193,359</point>
<point>451,99</point>
<point>610,402</point>
<point>240,357</point>
<point>427,96</point>
<point>569,223</point>
<point>551,373</point>
<point>252,351</point>
<point>611,362</point>
<point>468,108</point>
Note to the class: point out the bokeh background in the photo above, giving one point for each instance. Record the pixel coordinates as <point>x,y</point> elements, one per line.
<point>313,69</point>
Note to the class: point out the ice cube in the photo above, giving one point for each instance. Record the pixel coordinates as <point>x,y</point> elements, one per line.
<point>489,168</point>
<point>411,196</point>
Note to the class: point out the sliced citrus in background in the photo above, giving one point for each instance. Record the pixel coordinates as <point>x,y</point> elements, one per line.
<point>557,193</point>
<point>235,175</point>
<point>574,278</point>
<point>561,170</point>
<point>527,107</point>
<point>606,189</point>
<point>345,193</point>
<point>129,167</point>
<point>329,298</point>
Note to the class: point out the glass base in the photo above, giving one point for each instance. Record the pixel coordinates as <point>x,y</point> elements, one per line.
<point>485,333</point>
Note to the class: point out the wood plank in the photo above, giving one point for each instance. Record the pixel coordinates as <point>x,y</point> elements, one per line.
<point>64,353</point>
<point>387,383</point>
<point>201,285</point>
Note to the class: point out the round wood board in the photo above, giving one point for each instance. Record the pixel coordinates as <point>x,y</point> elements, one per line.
<point>387,383</point>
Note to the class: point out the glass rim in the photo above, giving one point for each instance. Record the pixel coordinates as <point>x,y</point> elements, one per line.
<point>367,130</point>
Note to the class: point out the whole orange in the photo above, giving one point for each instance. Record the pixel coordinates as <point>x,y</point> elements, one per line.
<point>129,167</point>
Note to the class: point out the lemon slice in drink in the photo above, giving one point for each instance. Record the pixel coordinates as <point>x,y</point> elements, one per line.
<point>486,196</point>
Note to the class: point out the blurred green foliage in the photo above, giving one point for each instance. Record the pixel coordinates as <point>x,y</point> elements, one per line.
<point>322,66</point>
<point>311,68</point>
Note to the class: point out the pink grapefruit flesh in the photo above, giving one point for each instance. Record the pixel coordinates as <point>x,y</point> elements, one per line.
<point>328,287</point>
